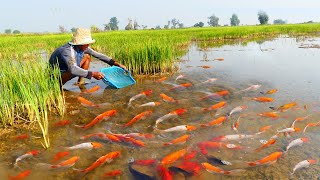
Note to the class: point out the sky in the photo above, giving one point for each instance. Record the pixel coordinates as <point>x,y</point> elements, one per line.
<point>48,15</point>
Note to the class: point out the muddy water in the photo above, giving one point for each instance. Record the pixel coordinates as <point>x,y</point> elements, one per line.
<point>286,64</point>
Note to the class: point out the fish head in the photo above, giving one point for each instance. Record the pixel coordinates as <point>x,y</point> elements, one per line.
<point>186,85</point>
<point>312,161</point>
<point>218,138</point>
<point>304,139</point>
<point>180,111</point>
<point>34,152</point>
<point>147,92</point>
<point>96,145</point>
<point>191,128</point>
<point>112,112</point>
<point>296,129</point>
<point>157,103</point>
<point>223,93</point>
<point>244,107</point>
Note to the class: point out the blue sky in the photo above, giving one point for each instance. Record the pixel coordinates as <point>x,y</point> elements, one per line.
<point>45,15</point>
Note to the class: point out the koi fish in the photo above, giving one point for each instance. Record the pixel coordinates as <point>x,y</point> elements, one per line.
<point>106,115</point>
<point>299,119</point>
<point>187,168</point>
<point>139,135</point>
<point>138,117</point>
<point>284,107</point>
<point>262,99</point>
<point>109,157</point>
<point>237,109</point>
<point>311,125</point>
<point>273,115</point>
<point>131,140</point>
<point>251,88</point>
<point>270,91</point>
<point>303,164</point>
<point>21,176</point>
<point>205,67</point>
<point>63,165</point>
<point>150,104</point>
<point>172,157</point>
<point>272,158</point>
<point>235,125</point>
<point>215,122</point>
<point>208,81</point>
<point>22,136</point>
<point>219,59</point>
<point>179,140</point>
<point>215,95</point>
<point>91,90</point>
<point>161,79</point>
<point>265,128</point>
<point>297,142</point>
<point>190,155</point>
<point>287,130</point>
<point>86,102</point>
<point>177,129</point>
<point>203,146</point>
<point>266,144</point>
<point>181,86</point>
<point>140,95</point>
<point>26,155</point>
<point>112,173</point>
<point>60,155</point>
<point>216,161</point>
<point>233,137</point>
<point>215,106</point>
<point>168,98</point>
<point>213,169</point>
<point>62,123</point>
<point>164,173</point>
<point>109,137</point>
<point>173,114</point>
<point>88,145</point>
<point>145,162</point>
<point>179,77</point>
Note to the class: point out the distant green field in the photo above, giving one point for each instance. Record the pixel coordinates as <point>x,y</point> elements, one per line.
<point>145,51</point>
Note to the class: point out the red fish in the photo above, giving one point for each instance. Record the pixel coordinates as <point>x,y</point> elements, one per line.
<point>272,158</point>
<point>22,136</point>
<point>91,90</point>
<point>145,162</point>
<point>161,79</point>
<point>113,173</point>
<point>190,155</point>
<point>219,59</point>
<point>164,173</point>
<point>86,102</point>
<point>138,117</point>
<point>99,118</point>
<point>21,176</point>
<point>60,155</point>
<point>205,67</point>
<point>109,157</point>
<point>62,123</point>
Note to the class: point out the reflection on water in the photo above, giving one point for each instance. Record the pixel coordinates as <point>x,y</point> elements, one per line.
<point>278,64</point>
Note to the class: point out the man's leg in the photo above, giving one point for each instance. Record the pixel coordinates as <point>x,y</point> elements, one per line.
<point>84,64</point>
<point>65,77</point>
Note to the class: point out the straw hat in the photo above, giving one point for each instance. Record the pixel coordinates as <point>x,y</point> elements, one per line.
<point>82,36</point>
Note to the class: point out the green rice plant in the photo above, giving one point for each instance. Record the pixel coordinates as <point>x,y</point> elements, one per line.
<point>29,90</point>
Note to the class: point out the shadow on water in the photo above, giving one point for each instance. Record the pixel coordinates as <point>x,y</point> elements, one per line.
<point>280,64</point>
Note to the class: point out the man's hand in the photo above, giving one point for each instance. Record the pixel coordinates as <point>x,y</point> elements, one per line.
<point>123,67</point>
<point>97,75</point>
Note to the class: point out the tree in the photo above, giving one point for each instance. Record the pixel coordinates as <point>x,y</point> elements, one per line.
<point>7,31</point>
<point>213,20</point>
<point>234,20</point>
<point>135,25</point>
<point>112,25</point>
<point>181,25</point>
<point>174,23</point>
<point>199,24</point>
<point>167,26</point>
<point>263,17</point>
<point>94,29</point>
<point>158,27</point>
<point>73,29</point>
<point>144,26</point>
<point>62,29</point>
<point>129,26</point>
<point>279,21</point>
<point>16,32</point>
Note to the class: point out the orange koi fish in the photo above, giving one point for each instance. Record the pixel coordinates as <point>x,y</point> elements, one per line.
<point>62,165</point>
<point>262,99</point>
<point>187,168</point>
<point>268,143</point>
<point>106,115</point>
<point>181,86</point>
<point>22,136</point>
<point>161,79</point>
<point>270,91</point>
<point>168,98</point>
<point>179,140</point>
<point>264,129</point>
<point>284,107</point>
<point>110,137</point>
<point>132,140</point>
<point>311,125</point>
<point>272,158</point>
<point>235,125</point>
<point>109,157</point>
<point>203,146</point>
<point>140,95</point>
<point>60,155</point>
<point>215,122</point>
<point>303,164</point>
<point>164,173</point>
<point>190,155</point>
<point>215,106</point>
<point>273,115</point>
<point>26,155</point>
<point>150,104</point>
<point>219,59</point>
<point>172,157</point>
<point>112,173</point>
<point>205,67</point>
<point>62,123</point>
<point>177,129</point>
<point>89,146</point>
<point>21,176</point>
<point>91,90</point>
<point>86,102</point>
<point>140,135</point>
<point>215,95</point>
<point>173,114</point>
<point>299,119</point>
<point>138,117</point>
<point>213,169</point>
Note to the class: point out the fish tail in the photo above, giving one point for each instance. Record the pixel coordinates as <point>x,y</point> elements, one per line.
<point>79,170</point>
<point>80,126</point>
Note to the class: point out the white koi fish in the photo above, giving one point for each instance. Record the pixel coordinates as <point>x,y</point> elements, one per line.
<point>208,81</point>
<point>151,104</point>
<point>303,164</point>
<point>179,77</point>
<point>288,130</point>
<point>251,88</point>
<point>297,142</point>
<point>237,109</point>
<point>172,114</point>
<point>140,95</point>
<point>177,129</point>
<point>88,145</point>
<point>26,155</point>
<point>232,137</point>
